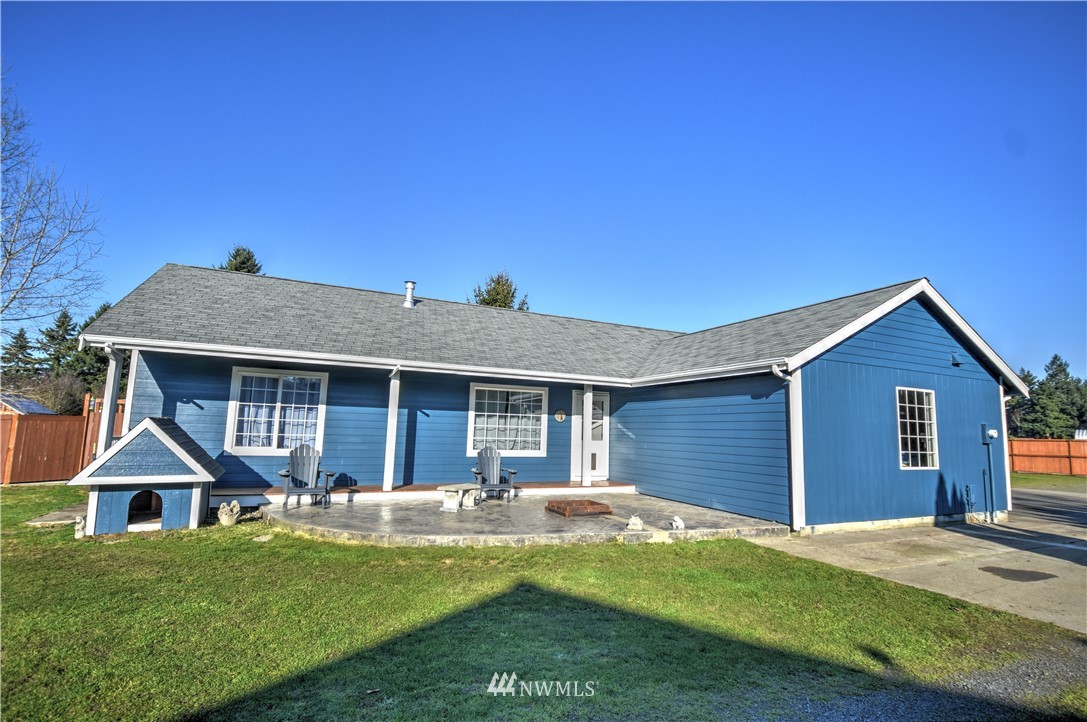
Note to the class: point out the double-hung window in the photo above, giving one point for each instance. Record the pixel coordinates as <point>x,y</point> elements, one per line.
<point>271,412</point>
<point>917,446</point>
<point>512,419</point>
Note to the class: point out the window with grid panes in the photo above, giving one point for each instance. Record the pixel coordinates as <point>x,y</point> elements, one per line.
<point>510,419</point>
<point>917,429</point>
<point>276,411</point>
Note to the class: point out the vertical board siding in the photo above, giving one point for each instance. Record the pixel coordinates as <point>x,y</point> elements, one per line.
<point>113,504</point>
<point>851,444</point>
<point>720,444</point>
<point>432,431</point>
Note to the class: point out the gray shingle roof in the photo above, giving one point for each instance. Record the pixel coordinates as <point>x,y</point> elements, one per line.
<point>188,445</point>
<point>777,336</point>
<point>201,305</point>
<point>186,304</point>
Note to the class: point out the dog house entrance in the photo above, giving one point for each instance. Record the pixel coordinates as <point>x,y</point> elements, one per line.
<point>145,511</point>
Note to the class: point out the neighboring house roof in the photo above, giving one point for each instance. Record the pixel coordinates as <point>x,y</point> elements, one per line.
<point>155,449</point>
<point>202,310</point>
<point>22,405</point>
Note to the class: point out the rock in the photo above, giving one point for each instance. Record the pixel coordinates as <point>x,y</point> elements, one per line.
<point>635,524</point>
<point>263,538</point>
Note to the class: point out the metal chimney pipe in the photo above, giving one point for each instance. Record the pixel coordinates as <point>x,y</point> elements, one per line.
<point>409,294</point>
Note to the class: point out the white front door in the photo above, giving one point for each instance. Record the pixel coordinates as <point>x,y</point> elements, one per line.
<point>598,446</point>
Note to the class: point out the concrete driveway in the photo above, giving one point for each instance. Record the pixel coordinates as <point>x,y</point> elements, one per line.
<point>1035,565</point>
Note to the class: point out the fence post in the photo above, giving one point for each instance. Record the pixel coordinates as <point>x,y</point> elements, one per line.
<point>9,448</point>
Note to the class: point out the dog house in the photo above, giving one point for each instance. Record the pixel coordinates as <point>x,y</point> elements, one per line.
<point>154,477</point>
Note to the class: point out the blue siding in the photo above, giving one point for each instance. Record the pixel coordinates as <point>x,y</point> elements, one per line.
<point>195,391</point>
<point>432,431</point>
<point>432,426</point>
<point>720,444</point>
<point>113,504</point>
<point>851,460</point>
<point>145,455</point>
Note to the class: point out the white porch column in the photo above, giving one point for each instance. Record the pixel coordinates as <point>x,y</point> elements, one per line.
<point>587,436</point>
<point>109,401</point>
<point>390,429</point>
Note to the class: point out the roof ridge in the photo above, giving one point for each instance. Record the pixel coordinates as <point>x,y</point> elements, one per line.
<point>466,304</point>
<point>807,305</point>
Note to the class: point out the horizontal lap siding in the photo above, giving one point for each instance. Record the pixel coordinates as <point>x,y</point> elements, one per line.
<point>432,432</point>
<point>851,445</point>
<point>195,392</point>
<point>720,444</point>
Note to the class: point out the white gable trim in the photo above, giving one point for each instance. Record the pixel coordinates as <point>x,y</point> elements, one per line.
<point>921,288</point>
<point>84,477</point>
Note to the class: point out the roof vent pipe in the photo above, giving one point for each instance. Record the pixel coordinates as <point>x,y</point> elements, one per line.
<point>409,294</point>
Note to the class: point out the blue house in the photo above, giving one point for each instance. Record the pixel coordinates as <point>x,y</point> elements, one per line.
<point>884,406</point>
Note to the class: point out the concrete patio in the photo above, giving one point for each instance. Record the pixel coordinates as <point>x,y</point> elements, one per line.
<point>522,522</point>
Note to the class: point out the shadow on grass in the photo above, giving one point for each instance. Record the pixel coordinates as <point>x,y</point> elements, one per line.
<point>636,667</point>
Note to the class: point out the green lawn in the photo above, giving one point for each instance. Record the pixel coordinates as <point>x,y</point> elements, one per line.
<point>209,624</point>
<point>1051,482</point>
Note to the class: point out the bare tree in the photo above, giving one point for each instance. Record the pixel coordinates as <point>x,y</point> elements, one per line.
<point>49,242</point>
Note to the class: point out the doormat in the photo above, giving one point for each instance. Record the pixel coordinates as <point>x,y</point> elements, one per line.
<point>577,507</point>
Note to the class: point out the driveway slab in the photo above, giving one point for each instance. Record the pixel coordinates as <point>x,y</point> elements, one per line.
<point>1035,565</point>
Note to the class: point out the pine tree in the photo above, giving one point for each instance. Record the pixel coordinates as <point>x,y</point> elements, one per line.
<point>241,259</point>
<point>58,342</point>
<point>501,292</point>
<point>18,360</point>
<point>1056,404</point>
<point>90,364</point>
<point>1018,406</point>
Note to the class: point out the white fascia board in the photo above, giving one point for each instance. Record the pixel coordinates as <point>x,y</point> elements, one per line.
<point>921,288</point>
<point>744,369</point>
<point>84,477</point>
<point>279,356</point>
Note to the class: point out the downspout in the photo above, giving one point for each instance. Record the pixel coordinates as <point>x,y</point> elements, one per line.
<point>776,370</point>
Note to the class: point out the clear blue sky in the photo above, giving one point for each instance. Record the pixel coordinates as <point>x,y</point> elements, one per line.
<point>669,165</point>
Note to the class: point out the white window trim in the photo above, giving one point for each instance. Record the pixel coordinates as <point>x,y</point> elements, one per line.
<point>232,410</point>
<point>473,453</point>
<point>935,432</point>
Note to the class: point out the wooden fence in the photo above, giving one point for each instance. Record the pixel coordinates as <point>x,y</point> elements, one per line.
<point>47,447</point>
<point>1049,456</point>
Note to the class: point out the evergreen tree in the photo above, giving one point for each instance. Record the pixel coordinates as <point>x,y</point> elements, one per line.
<point>1017,406</point>
<point>91,363</point>
<point>1057,404</point>
<point>501,292</point>
<point>58,342</point>
<point>18,360</point>
<point>241,259</point>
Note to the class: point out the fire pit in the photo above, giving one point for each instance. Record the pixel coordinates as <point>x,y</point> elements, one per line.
<point>577,507</point>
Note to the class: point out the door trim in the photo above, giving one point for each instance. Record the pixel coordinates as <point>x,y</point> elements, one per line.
<point>602,472</point>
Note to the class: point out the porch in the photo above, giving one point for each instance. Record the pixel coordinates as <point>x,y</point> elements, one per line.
<point>273,495</point>
<point>524,522</point>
